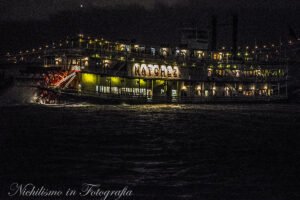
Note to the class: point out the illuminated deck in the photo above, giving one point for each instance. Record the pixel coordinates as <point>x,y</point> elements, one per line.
<point>125,70</point>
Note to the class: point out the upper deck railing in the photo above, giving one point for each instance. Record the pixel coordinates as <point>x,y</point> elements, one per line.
<point>149,58</point>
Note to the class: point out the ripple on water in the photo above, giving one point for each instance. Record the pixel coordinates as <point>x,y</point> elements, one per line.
<point>180,151</point>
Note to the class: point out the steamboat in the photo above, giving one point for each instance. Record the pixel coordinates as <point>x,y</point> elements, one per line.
<point>91,68</point>
<point>120,72</point>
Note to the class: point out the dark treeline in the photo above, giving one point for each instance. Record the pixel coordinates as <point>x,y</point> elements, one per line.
<point>158,25</point>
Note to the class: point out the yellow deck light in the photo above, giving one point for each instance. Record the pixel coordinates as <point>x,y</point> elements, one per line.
<point>89,78</point>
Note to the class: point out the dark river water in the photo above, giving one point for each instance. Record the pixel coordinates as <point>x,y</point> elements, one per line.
<point>225,151</point>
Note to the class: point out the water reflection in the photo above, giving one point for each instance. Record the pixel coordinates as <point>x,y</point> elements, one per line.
<point>161,151</point>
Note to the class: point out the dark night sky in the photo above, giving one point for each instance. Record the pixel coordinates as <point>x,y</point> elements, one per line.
<point>24,9</point>
<point>44,20</point>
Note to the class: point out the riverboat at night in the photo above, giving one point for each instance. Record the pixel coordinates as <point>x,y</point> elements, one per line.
<point>124,71</point>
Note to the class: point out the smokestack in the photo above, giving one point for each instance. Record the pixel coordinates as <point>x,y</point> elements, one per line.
<point>213,34</point>
<point>234,35</point>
